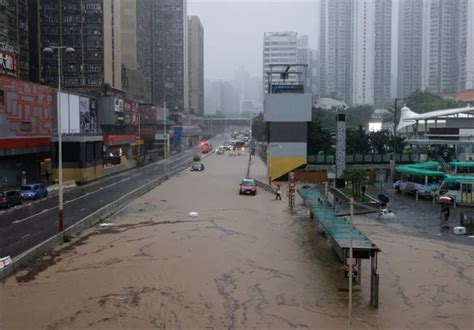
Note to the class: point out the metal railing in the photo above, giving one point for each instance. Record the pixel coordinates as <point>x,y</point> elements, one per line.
<point>364,159</point>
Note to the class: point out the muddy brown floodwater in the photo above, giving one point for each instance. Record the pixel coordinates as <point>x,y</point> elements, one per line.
<point>244,262</point>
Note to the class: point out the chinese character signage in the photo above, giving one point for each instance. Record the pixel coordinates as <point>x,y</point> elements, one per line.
<point>8,60</point>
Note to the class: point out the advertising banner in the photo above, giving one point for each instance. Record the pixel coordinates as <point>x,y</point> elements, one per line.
<point>8,60</point>
<point>88,114</point>
<point>178,135</point>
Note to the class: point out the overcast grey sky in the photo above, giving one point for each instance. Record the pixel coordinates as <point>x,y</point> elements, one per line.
<point>233,30</point>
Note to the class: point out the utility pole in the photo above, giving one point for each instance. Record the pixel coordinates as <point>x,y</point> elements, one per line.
<point>139,135</point>
<point>59,49</point>
<point>165,135</point>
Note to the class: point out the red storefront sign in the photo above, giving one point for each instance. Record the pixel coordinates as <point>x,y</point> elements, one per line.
<point>23,143</point>
<point>117,140</point>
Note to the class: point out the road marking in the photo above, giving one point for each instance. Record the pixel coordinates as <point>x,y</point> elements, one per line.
<point>83,209</point>
<point>25,236</point>
<point>168,161</point>
<point>34,215</point>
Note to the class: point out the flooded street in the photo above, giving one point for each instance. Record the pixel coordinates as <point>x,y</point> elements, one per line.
<point>244,262</point>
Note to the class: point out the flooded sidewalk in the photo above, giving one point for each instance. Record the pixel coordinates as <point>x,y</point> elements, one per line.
<point>243,262</point>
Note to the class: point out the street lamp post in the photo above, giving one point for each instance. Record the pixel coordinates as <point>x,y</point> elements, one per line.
<point>51,49</point>
<point>165,134</point>
<point>392,161</point>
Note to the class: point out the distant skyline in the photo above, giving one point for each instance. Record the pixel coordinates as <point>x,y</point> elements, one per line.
<point>233,31</point>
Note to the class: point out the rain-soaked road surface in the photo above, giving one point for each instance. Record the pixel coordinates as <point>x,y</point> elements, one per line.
<point>244,262</point>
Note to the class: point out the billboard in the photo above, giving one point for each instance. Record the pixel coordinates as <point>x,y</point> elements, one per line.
<point>78,113</point>
<point>178,135</point>
<point>8,60</point>
<point>88,114</point>
<point>126,112</point>
<point>287,107</point>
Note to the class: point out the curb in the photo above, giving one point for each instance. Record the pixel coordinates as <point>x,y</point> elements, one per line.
<point>260,184</point>
<point>265,186</point>
<point>104,212</point>
<point>370,200</point>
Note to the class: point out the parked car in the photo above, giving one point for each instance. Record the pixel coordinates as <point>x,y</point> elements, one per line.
<point>33,191</point>
<point>248,187</point>
<point>10,198</point>
<point>197,166</point>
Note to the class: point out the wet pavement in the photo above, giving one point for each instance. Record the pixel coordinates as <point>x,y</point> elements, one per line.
<point>421,217</point>
<point>243,262</point>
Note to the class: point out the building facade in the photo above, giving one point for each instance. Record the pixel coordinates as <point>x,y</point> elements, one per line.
<point>26,121</point>
<point>383,53</point>
<point>170,58</point>
<point>135,33</point>
<point>196,66</point>
<point>410,46</point>
<point>92,28</point>
<point>470,47</point>
<point>278,48</point>
<point>14,47</point>
<point>355,51</point>
<point>433,46</point>
<point>335,46</point>
<point>303,56</point>
<point>363,53</point>
<point>447,54</point>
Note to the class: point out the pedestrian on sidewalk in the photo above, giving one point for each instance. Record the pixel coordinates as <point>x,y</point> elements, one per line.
<point>278,193</point>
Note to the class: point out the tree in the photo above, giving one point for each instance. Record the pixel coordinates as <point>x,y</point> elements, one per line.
<point>423,101</point>
<point>357,141</point>
<point>319,138</point>
<point>397,144</point>
<point>379,141</point>
<point>357,177</point>
<point>359,115</point>
<point>325,117</point>
<point>259,128</point>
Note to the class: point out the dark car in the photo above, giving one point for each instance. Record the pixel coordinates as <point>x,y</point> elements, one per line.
<point>248,187</point>
<point>197,166</point>
<point>33,191</point>
<point>10,198</point>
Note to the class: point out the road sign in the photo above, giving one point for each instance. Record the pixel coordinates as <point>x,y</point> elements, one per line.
<point>161,137</point>
<point>292,185</point>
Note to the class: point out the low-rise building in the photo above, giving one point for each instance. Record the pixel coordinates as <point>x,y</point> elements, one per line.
<point>26,121</point>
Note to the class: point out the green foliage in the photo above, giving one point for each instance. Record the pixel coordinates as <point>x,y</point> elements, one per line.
<point>359,115</point>
<point>379,141</point>
<point>326,118</point>
<point>319,138</point>
<point>357,141</point>
<point>421,102</point>
<point>355,116</point>
<point>358,178</point>
<point>397,144</point>
<point>259,128</point>
<point>197,158</point>
<point>140,161</point>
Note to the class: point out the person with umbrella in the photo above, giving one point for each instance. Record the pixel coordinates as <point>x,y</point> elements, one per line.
<point>445,202</point>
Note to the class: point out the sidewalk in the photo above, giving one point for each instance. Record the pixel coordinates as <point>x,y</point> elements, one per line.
<point>258,169</point>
